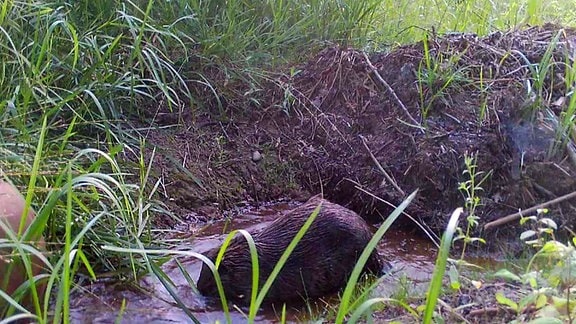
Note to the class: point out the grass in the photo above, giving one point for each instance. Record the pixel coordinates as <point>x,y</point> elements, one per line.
<point>72,71</point>
<point>405,21</point>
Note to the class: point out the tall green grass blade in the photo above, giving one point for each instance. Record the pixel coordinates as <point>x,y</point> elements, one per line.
<point>367,305</point>
<point>19,318</point>
<point>25,258</point>
<point>169,287</point>
<point>346,299</point>
<point>187,276</point>
<point>85,262</point>
<point>118,319</point>
<point>254,260</point>
<point>440,267</point>
<point>164,279</point>
<point>278,267</point>
<point>67,273</point>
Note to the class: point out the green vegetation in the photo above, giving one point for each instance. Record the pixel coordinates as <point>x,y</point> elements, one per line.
<point>471,189</point>
<point>72,73</point>
<point>547,281</point>
<point>406,21</point>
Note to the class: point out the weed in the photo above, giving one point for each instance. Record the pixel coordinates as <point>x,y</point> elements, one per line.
<point>435,75</point>
<point>547,286</point>
<point>542,229</point>
<point>402,292</point>
<point>440,267</point>
<point>564,123</point>
<point>483,88</point>
<point>470,189</point>
<point>539,72</point>
<point>85,207</point>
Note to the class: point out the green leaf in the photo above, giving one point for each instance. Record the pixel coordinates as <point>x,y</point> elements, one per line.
<point>536,242</point>
<point>541,301</point>
<point>527,300</point>
<point>501,299</point>
<point>553,247</point>
<point>477,239</point>
<point>523,220</point>
<point>506,274</point>
<point>533,282</point>
<point>454,278</point>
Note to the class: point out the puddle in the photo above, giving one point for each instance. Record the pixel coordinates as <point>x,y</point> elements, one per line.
<point>411,257</point>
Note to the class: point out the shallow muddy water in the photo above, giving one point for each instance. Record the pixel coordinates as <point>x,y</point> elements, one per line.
<point>411,257</point>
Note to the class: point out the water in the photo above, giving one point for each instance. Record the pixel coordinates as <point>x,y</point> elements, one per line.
<point>412,258</point>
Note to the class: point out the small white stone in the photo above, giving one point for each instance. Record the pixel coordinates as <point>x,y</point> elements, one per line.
<point>256,156</point>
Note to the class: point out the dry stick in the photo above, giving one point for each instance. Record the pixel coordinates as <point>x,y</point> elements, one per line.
<point>389,178</point>
<point>452,311</point>
<point>515,216</point>
<point>490,311</point>
<point>389,88</point>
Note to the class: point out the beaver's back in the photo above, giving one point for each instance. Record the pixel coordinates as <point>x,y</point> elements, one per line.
<point>320,264</point>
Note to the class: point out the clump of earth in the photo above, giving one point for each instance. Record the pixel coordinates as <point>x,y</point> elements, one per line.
<point>357,126</point>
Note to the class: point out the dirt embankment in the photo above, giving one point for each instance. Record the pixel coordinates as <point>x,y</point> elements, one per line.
<point>414,113</point>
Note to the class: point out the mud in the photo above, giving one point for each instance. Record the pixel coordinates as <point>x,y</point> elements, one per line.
<point>343,118</point>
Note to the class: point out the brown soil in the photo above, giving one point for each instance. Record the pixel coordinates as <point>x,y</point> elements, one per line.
<point>317,130</point>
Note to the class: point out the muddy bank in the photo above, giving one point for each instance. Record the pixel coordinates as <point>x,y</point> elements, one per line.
<point>344,117</point>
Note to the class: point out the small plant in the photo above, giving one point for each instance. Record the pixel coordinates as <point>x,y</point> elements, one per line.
<point>548,286</point>
<point>470,189</point>
<point>435,75</point>
<point>542,229</point>
<point>402,292</point>
<point>564,123</point>
<point>540,73</point>
<point>483,88</point>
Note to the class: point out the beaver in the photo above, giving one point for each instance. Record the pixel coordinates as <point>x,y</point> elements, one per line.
<point>11,209</point>
<point>320,264</point>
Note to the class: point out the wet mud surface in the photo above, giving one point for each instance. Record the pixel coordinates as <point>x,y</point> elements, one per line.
<point>411,257</point>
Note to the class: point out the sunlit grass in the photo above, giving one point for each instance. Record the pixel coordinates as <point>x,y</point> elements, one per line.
<point>402,22</point>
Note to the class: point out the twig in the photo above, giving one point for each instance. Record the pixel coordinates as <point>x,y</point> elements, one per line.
<point>515,216</point>
<point>489,311</point>
<point>389,88</point>
<point>388,177</point>
<point>431,235</point>
<point>452,311</point>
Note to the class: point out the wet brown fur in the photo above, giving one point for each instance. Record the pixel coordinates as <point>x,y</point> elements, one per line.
<point>320,264</point>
